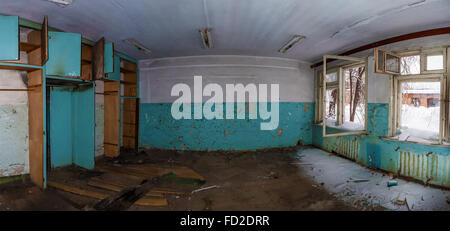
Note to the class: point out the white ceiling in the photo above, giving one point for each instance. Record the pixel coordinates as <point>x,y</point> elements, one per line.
<point>248,27</point>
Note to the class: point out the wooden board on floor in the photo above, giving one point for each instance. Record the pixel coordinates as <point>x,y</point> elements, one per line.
<point>36,127</point>
<point>149,171</point>
<point>115,188</point>
<point>119,184</point>
<point>145,201</point>
<point>180,171</point>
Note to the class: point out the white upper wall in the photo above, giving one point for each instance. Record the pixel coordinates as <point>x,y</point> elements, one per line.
<point>157,76</point>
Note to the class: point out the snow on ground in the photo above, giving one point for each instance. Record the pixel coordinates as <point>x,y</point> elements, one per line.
<point>357,125</point>
<point>336,174</point>
<point>419,123</point>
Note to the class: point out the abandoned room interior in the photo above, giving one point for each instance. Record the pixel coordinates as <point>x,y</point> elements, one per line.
<point>210,105</point>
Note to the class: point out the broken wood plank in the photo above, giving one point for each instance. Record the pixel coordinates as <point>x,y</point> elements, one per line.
<point>123,173</point>
<point>145,201</point>
<point>128,196</point>
<point>111,182</point>
<point>78,191</point>
<point>180,171</point>
<point>117,188</point>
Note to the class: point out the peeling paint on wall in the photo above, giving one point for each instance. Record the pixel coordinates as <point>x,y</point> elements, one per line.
<point>13,139</point>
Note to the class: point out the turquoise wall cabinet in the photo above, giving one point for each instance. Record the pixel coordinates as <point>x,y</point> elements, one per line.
<point>64,54</point>
<point>9,38</point>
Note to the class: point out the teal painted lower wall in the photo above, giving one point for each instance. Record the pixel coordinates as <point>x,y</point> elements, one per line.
<point>157,129</point>
<point>427,163</point>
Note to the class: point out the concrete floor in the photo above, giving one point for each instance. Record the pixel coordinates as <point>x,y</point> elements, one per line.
<point>302,178</point>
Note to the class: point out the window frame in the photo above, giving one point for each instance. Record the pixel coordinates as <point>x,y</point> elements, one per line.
<point>384,54</point>
<point>396,94</point>
<point>319,88</point>
<point>429,52</point>
<point>340,114</point>
<point>424,75</point>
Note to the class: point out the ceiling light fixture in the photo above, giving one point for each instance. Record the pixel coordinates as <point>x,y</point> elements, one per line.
<point>61,3</point>
<point>206,38</point>
<point>136,44</point>
<point>294,40</point>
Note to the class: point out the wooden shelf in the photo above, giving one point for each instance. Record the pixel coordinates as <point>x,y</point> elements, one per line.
<point>28,47</point>
<point>127,82</point>
<point>19,67</point>
<point>124,70</point>
<point>128,67</point>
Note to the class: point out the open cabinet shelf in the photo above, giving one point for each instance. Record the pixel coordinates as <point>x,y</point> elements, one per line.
<point>28,47</point>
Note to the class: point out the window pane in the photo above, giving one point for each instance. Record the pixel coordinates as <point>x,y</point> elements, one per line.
<point>420,110</point>
<point>435,62</point>
<point>354,117</point>
<point>392,63</point>
<point>380,60</point>
<point>331,103</point>
<point>332,77</point>
<point>410,65</point>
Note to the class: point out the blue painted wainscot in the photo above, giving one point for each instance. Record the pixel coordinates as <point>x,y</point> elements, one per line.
<point>157,129</point>
<point>428,163</point>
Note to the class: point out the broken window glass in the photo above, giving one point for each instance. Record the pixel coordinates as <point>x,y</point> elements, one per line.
<point>410,65</point>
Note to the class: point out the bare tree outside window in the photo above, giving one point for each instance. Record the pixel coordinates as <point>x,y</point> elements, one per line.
<point>410,65</point>
<point>355,94</point>
<point>331,101</point>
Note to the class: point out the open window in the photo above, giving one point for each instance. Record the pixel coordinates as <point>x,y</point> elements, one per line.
<point>419,108</point>
<point>386,62</point>
<point>343,96</point>
<point>419,97</point>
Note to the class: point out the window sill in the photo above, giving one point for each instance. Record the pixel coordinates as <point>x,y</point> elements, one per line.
<point>414,142</point>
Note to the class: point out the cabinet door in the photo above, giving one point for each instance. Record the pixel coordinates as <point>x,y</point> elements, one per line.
<point>114,76</point>
<point>109,58</point>
<point>64,54</point>
<point>9,38</point>
<point>103,59</point>
<point>44,41</point>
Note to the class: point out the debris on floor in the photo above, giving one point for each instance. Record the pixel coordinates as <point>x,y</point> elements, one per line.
<point>391,183</point>
<point>205,188</point>
<point>357,180</point>
<point>118,186</point>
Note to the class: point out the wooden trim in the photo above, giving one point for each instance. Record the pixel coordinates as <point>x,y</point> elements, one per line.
<point>44,41</point>
<point>24,89</point>
<point>420,34</point>
<point>345,133</point>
